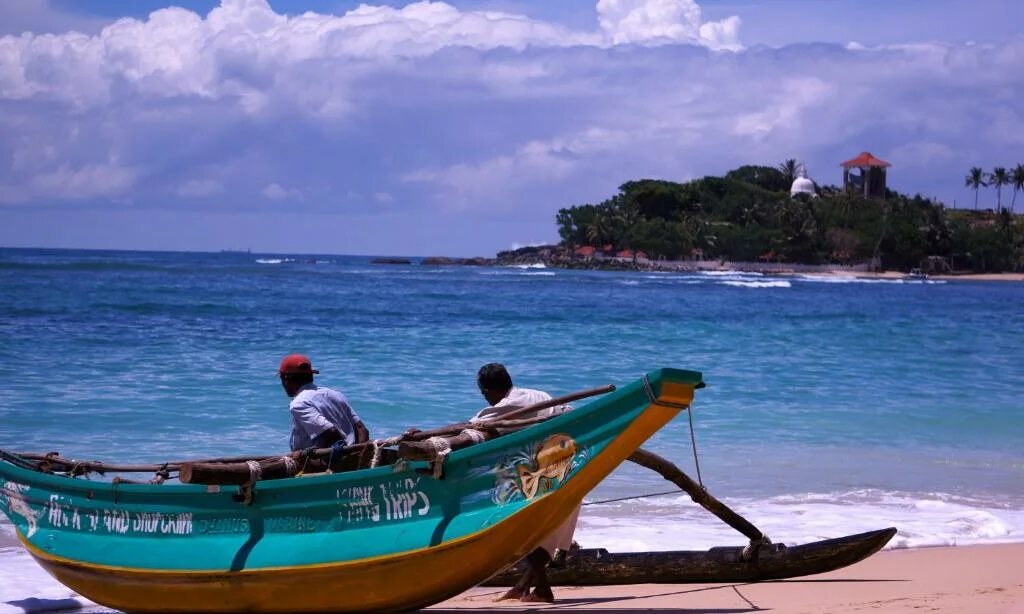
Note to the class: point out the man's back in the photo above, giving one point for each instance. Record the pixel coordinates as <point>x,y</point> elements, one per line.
<point>516,399</point>
<point>316,409</point>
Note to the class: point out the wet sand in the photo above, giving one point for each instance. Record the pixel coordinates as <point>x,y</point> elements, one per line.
<point>977,579</point>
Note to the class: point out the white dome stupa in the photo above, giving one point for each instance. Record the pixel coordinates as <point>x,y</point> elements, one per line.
<point>803,185</point>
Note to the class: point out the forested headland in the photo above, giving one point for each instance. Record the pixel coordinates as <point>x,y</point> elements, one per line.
<point>749,216</point>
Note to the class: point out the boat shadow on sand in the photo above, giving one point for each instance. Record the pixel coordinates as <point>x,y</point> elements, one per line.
<point>69,604</point>
<point>34,604</point>
<point>600,604</point>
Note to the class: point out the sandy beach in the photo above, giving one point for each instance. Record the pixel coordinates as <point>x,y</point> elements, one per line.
<point>1017,277</point>
<point>982,277</point>
<point>977,579</point>
<point>982,579</point>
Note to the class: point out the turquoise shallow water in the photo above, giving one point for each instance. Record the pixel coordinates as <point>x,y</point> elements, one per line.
<point>829,404</point>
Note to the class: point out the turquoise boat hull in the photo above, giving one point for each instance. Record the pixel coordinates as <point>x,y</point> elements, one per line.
<point>383,539</point>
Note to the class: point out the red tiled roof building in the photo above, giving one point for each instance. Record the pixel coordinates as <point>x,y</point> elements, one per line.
<point>869,182</point>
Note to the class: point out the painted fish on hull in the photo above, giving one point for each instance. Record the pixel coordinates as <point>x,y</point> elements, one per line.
<point>552,462</point>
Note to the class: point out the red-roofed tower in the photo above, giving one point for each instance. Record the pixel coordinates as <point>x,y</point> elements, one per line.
<point>870,182</point>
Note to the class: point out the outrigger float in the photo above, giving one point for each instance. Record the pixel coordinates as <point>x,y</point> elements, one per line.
<point>391,525</point>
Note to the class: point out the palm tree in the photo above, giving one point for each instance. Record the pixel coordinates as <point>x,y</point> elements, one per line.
<point>1017,179</point>
<point>998,178</point>
<point>975,179</point>
<point>789,169</point>
<point>625,220</point>
<point>599,230</point>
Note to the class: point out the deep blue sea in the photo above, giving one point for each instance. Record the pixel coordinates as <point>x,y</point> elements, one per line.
<point>832,406</point>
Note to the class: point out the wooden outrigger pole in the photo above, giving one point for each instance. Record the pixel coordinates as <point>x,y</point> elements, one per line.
<point>759,560</point>
<point>701,496</point>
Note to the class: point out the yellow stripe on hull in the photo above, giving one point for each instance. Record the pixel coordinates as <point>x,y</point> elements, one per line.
<point>393,582</point>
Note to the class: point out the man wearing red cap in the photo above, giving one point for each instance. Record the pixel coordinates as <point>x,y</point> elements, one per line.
<point>320,416</point>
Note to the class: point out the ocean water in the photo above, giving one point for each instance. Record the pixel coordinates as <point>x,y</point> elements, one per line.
<point>833,405</point>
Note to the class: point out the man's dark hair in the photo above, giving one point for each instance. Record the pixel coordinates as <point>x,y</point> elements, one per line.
<point>299,379</point>
<point>494,376</point>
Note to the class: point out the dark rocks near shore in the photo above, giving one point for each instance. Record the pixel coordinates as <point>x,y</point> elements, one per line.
<point>391,261</point>
<point>554,256</point>
<point>445,261</point>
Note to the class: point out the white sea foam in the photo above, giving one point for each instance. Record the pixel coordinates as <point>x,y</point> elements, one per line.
<point>535,265</point>
<point>274,260</point>
<point>756,284</point>
<point>847,279</point>
<point>676,523</point>
<point>731,273</point>
<point>677,279</point>
<point>520,273</point>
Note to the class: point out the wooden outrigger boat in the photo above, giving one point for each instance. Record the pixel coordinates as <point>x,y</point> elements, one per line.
<point>395,530</point>
<point>384,538</point>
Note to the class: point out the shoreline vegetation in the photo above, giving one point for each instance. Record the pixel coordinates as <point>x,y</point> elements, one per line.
<point>748,221</point>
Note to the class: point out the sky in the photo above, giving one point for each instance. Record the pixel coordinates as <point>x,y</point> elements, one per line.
<point>460,128</point>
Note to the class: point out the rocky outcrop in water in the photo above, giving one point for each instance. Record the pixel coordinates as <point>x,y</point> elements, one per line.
<point>445,261</point>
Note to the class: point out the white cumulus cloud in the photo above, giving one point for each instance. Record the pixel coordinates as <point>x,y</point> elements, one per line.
<point>275,191</point>
<point>426,106</point>
<point>665,21</point>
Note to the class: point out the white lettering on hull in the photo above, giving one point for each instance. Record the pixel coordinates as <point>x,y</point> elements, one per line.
<point>62,516</point>
<point>395,500</point>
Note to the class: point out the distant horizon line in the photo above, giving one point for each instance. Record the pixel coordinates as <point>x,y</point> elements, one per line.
<point>233,252</point>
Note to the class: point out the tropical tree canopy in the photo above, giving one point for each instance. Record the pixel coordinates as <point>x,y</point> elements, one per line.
<point>748,215</point>
<point>790,169</point>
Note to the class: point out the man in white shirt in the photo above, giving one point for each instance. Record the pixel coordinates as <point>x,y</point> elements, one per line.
<point>320,416</point>
<point>496,386</point>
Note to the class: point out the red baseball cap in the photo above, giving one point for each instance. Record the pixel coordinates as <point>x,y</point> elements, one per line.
<point>296,363</point>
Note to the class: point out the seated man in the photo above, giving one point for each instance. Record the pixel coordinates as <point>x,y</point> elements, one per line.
<point>496,386</point>
<point>320,416</point>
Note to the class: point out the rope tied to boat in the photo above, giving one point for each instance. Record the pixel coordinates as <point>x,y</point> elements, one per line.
<point>306,455</point>
<point>255,472</point>
<point>442,448</point>
<point>290,466</point>
<point>248,489</point>
<point>378,448</point>
<point>475,435</point>
<point>78,469</point>
<point>689,414</point>
<point>336,447</point>
<point>693,442</point>
<point>162,475</point>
